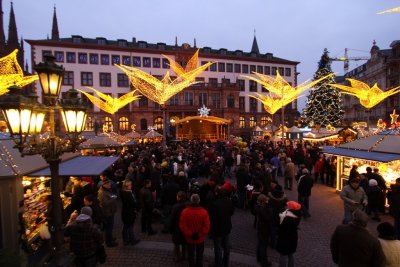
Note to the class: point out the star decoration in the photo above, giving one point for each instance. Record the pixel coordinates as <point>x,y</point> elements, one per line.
<point>204,111</point>
<point>394,117</point>
<point>381,124</point>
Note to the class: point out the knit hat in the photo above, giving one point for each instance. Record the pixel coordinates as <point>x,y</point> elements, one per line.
<point>87,210</point>
<point>195,199</point>
<point>82,218</point>
<point>293,205</point>
<point>360,218</point>
<point>386,231</point>
<point>372,182</point>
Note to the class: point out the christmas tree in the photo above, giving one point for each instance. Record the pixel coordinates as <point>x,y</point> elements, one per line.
<point>324,103</point>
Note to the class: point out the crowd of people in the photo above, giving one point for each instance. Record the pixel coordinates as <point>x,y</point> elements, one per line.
<point>193,188</point>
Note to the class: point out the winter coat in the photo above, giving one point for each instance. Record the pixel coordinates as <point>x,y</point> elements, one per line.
<point>304,185</point>
<point>319,166</point>
<point>177,234</point>
<point>194,220</point>
<point>264,222</point>
<point>375,195</point>
<point>146,199</point>
<point>290,170</point>
<point>107,202</point>
<point>394,200</point>
<point>220,212</point>
<point>354,246</point>
<point>277,202</point>
<point>350,196</point>
<point>287,232</point>
<point>129,207</point>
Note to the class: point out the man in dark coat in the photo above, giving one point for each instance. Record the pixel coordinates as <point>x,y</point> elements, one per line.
<point>128,213</point>
<point>178,238</point>
<point>264,229</point>
<point>353,245</point>
<point>108,204</point>
<point>147,205</point>
<point>304,185</point>
<point>221,211</point>
<point>394,202</point>
<point>168,199</point>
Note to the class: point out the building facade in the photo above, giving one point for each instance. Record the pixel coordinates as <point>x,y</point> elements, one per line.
<point>383,68</point>
<point>89,62</point>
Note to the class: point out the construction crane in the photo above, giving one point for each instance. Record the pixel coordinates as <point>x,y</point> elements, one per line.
<point>346,59</point>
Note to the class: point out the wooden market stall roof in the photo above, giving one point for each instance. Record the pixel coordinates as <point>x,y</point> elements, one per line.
<point>205,118</point>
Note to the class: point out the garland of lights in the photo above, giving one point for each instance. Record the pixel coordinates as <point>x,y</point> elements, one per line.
<point>368,96</point>
<point>108,103</point>
<point>6,156</point>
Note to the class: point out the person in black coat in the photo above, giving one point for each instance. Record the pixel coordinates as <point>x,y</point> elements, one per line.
<point>147,205</point>
<point>287,233</point>
<point>220,212</point>
<point>394,208</point>
<point>178,237</point>
<point>168,199</point>
<point>128,213</point>
<point>304,185</point>
<point>277,202</point>
<point>264,229</point>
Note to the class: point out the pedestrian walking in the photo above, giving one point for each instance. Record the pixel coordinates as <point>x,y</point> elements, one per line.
<point>264,229</point>
<point>353,197</point>
<point>304,185</point>
<point>128,213</point>
<point>108,204</point>
<point>178,238</point>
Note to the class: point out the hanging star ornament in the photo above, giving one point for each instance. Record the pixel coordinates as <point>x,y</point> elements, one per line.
<point>392,10</point>
<point>368,96</point>
<point>108,103</point>
<point>204,111</point>
<point>394,117</point>
<point>11,73</point>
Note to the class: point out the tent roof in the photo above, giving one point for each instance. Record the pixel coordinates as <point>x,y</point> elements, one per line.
<point>153,134</point>
<point>386,143</point>
<point>361,154</point>
<point>257,129</point>
<point>101,141</point>
<point>80,166</point>
<point>208,118</point>
<point>133,135</point>
<point>293,129</point>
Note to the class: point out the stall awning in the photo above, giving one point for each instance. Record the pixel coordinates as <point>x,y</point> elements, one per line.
<point>361,154</point>
<point>80,166</point>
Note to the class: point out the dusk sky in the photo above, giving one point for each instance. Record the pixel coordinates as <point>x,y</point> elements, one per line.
<point>290,29</point>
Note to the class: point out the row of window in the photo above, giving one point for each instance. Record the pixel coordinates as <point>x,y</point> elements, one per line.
<point>252,121</point>
<point>148,62</point>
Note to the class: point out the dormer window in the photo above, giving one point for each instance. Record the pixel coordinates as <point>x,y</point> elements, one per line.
<point>207,50</point>
<point>76,39</point>
<point>142,44</point>
<point>239,53</point>
<point>161,46</point>
<point>222,51</point>
<point>122,43</point>
<point>101,41</point>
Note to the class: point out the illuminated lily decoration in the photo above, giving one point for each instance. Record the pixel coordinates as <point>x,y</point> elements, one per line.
<point>11,73</point>
<point>273,103</point>
<point>368,96</point>
<point>109,104</point>
<point>396,9</point>
<point>190,66</point>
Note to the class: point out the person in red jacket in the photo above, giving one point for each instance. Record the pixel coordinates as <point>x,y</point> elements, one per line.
<point>195,225</point>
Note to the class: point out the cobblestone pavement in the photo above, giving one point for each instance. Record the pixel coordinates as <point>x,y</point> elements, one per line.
<point>326,209</point>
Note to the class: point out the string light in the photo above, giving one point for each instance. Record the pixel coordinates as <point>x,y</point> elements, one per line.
<point>109,104</point>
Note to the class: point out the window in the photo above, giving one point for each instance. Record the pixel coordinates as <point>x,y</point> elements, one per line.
<point>264,120</point>
<point>123,124</point>
<point>156,63</point>
<point>108,122</point>
<point>253,104</point>
<point>213,81</point>
<point>252,86</point>
<point>82,58</point>
<point>158,123</point>
<point>200,82</point>
<point>245,68</point>
<point>68,78</point>
<point>281,71</point>
<point>165,63</point>
<point>71,57</point>
<point>260,69</point>
<point>230,100</point>
<point>229,67</point>
<point>126,60</point>
<point>101,41</point>
<point>221,67</point>
<point>213,67</point>
<point>143,124</point>
<point>89,125</point>
<point>241,103</point>
<point>115,59</point>
<point>174,100</point>
<point>267,70</point>
<point>242,122</point>
<point>202,99</point>
<point>137,62</point>
<point>146,62</point>
<point>204,63</point>
<point>237,68</point>
<point>143,102</point>
<point>241,84</point>
<point>105,59</point>
<point>216,100</point>
<point>87,78</point>
<point>288,72</point>
<point>94,59</point>
<point>122,43</point>
<point>252,68</point>
<point>123,80</point>
<point>273,71</point>
<point>252,121</point>
<point>105,79</point>
<point>188,98</point>
<point>59,56</point>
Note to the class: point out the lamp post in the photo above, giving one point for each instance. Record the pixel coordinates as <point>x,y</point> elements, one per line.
<point>25,117</point>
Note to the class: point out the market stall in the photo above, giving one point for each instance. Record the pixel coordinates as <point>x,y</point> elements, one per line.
<point>380,151</point>
<point>102,144</point>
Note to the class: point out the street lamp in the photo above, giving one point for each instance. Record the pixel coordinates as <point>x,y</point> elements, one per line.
<point>25,117</point>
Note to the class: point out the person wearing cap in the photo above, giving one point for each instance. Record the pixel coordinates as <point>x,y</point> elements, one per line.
<point>84,238</point>
<point>286,245</point>
<point>390,244</point>
<point>354,197</point>
<point>375,195</point>
<point>195,225</point>
<point>353,245</point>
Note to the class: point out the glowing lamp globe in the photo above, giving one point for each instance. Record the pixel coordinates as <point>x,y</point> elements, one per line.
<point>73,112</point>
<point>50,76</point>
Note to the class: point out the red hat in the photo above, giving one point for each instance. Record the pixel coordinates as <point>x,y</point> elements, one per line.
<point>293,205</point>
<point>227,186</point>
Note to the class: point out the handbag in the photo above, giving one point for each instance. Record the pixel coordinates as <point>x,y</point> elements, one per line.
<point>101,254</point>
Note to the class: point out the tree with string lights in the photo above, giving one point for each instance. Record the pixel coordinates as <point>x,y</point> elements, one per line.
<point>324,103</point>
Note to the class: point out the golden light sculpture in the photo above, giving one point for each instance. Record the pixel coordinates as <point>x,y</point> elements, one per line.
<point>11,73</point>
<point>273,103</point>
<point>281,87</point>
<point>368,96</point>
<point>396,9</point>
<point>108,103</point>
<point>190,66</point>
<point>393,117</point>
